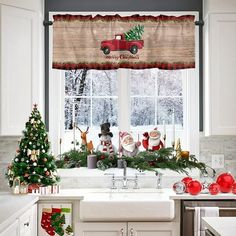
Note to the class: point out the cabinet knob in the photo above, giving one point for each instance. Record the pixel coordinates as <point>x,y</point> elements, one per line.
<point>26,224</point>
<point>122,232</point>
<point>131,232</point>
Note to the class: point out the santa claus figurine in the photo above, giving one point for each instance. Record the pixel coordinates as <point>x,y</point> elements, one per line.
<point>152,141</point>
<point>128,147</point>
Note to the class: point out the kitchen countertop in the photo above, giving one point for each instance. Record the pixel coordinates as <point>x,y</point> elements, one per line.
<point>187,196</point>
<point>80,194</point>
<point>221,226</point>
<point>12,206</point>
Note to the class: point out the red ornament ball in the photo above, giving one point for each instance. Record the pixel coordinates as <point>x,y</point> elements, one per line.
<point>234,188</point>
<point>186,181</point>
<point>194,187</point>
<point>47,173</point>
<point>225,181</point>
<point>214,188</point>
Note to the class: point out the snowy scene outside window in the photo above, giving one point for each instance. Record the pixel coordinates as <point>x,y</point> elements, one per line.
<point>91,98</point>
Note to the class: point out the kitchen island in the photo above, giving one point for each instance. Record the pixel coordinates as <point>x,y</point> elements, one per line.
<point>220,226</point>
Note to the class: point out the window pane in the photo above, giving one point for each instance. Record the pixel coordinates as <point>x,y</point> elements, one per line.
<point>165,106</point>
<point>82,112</point>
<point>142,82</point>
<point>104,82</point>
<point>77,83</point>
<point>142,111</point>
<point>68,114</point>
<point>105,109</point>
<point>169,83</point>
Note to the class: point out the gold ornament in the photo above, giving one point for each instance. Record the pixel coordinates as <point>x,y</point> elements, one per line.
<point>178,149</point>
<point>185,154</point>
<point>33,154</point>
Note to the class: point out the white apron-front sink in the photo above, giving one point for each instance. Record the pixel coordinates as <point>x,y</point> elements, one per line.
<point>127,206</point>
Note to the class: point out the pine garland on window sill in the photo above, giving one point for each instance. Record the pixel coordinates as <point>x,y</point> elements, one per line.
<point>164,158</point>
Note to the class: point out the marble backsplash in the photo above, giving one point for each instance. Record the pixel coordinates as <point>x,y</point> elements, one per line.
<point>225,145</point>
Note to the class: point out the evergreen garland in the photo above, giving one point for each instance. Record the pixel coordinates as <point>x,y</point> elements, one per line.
<point>164,158</point>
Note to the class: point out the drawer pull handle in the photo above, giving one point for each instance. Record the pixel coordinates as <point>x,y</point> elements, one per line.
<point>122,232</point>
<point>26,224</point>
<point>131,232</point>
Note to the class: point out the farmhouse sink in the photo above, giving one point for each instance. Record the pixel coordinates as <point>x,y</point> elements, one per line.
<point>127,205</point>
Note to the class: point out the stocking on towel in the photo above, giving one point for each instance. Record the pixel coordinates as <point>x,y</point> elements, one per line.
<point>46,221</point>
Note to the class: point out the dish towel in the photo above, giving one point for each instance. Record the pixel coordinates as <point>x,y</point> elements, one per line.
<point>199,229</point>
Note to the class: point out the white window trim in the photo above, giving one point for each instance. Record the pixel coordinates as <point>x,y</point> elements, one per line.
<point>191,101</point>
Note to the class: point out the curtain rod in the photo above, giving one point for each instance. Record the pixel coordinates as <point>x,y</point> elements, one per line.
<point>197,23</point>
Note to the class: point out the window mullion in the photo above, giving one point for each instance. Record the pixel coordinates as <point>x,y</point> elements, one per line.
<point>123,76</point>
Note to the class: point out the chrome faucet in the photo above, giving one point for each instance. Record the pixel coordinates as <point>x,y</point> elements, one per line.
<point>159,180</point>
<point>125,175</point>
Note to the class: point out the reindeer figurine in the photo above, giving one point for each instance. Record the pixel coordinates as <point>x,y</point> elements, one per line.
<point>85,144</point>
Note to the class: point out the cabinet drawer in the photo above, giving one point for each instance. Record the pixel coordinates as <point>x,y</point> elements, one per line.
<point>25,222</point>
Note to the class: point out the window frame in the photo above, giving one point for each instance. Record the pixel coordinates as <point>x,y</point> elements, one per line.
<point>190,85</point>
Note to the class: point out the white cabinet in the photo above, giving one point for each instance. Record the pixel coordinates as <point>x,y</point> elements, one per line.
<point>12,230</point>
<point>20,66</point>
<point>220,73</point>
<point>28,222</point>
<point>24,225</point>
<point>153,229</point>
<point>103,229</point>
<point>129,229</point>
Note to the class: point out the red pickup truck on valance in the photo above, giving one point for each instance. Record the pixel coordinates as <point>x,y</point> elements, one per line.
<point>111,42</point>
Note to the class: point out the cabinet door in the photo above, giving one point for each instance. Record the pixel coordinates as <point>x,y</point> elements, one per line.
<point>102,229</point>
<point>153,229</point>
<point>19,67</point>
<point>28,222</point>
<point>12,230</point>
<point>220,71</point>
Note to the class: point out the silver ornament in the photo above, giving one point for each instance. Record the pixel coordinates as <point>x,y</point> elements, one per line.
<point>179,187</point>
<point>34,164</point>
<point>45,169</point>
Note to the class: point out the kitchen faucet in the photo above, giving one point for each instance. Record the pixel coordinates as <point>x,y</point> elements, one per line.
<point>124,174</point>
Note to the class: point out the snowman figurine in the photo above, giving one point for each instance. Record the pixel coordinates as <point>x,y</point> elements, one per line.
<point>105,136</point>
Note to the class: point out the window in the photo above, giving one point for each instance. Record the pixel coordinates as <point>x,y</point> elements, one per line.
<point>131,100</point>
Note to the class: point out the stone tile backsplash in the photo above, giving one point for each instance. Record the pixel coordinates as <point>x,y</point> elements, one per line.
<point>225,145</point>
<point>8,145</point>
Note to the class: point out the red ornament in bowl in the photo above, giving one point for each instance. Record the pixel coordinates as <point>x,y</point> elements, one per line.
<point>225,181</point>
<point>214,188</point>
<point>186,180</point>
<point>234,188</point>
<point>194,187</point>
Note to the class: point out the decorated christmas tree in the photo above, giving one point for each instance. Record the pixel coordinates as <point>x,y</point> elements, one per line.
<point>135,33</point>
<point>32,163</point>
